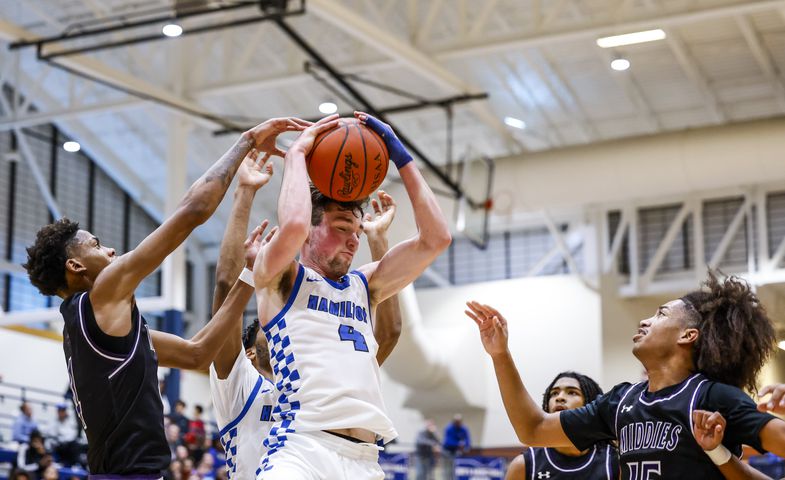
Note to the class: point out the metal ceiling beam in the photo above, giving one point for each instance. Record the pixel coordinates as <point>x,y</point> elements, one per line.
<point>693,72</point>
<point>763,58</point>
<point>611,26</point>
<point>353,24</point>
<point>103,155</point>
<point>95,69</point>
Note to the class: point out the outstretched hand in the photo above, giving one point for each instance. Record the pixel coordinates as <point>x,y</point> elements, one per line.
<point>383,213</point>
<point>265,134</point>
<point>304,142</point>
<point>493,327</point>
<point>776,403</point>
<point>708,428</point>
<point>255,171</point>
<point>255,241</point>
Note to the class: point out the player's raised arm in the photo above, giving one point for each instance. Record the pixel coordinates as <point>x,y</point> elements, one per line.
<point>294,208</point>
<point>113,289</point>
<point>387,327</point>
<point>708,428</point>
<point>532,425</point>
<point>198,352</point>
<point>407,260</point>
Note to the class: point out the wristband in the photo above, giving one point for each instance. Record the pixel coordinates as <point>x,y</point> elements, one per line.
<point>246,276</point>
<point>398,153</point>
<point>720,455</point>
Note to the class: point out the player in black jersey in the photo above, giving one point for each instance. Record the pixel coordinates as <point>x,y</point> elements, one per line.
<point>699,351</point>
<point>567,391</point>
<point>111,354</point>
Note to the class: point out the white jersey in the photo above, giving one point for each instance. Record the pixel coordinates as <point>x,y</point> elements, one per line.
<point>243,409</point>
<point>323,355</point>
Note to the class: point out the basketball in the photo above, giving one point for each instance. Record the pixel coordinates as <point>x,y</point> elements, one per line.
<point>348,162</point>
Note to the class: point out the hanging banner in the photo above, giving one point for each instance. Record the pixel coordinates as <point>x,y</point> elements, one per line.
<point>479,468</point>
<point>394,465</point>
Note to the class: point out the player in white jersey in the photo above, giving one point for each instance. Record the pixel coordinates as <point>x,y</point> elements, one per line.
<point>317,317</point>
<point>243,393</point>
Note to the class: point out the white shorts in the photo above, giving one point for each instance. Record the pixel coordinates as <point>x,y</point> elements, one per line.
<point>321,456</point>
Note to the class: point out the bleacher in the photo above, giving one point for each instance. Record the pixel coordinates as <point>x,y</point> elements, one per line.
<point>44,406</point>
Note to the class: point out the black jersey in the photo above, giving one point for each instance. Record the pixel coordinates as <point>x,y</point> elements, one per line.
<point>600,462</point>
<point>654,429</point>
<point>115,386</point>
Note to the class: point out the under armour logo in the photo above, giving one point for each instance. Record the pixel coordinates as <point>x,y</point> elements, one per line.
<point>543,474</point>
<point>626,409</point>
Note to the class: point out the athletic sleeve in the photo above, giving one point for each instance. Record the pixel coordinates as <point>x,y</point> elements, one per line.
<point>744,420</point>
<point>229,395</point>
<point>594,422</point>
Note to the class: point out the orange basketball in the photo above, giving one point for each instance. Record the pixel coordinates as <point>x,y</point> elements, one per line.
<point>348,162</point>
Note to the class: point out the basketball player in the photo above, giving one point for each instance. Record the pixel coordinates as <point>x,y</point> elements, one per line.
<point>567,391</point>
<point>318,318</point>
<point>111,354</point>
<point>708,428</point>
<point>776,403</point>
<point>699,351</point>
<point>241,379</point>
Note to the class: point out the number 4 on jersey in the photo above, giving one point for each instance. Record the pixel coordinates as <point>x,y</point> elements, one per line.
<point>349,334</point>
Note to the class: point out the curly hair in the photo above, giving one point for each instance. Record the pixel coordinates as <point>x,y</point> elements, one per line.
<point>319,202</point>
<point>736,336</point>
<point>589,388</point>
<point>249,334</point>
<point>47,256</point>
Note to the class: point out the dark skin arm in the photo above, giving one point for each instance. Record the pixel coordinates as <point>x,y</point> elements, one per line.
<point>387,327</point>
<point>252,176</point>
<point>708,428</point>
<point>532,425</point>
<point>112,291</point>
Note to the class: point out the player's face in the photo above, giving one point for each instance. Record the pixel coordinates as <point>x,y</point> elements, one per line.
<point>262,355</point>
<point>90,254</point>
<point>658,336</point>
<point>335,241</point>
<point>566,394</point>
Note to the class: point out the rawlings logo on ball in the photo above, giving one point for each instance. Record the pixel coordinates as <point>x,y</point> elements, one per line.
<point>350,180</point>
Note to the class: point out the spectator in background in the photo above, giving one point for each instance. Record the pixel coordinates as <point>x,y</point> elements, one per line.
<point>426,450</point>
<point>178,417</point>
<point>32,456</point>
<point>24,424</point>
<point>173,438</point>
<point>194,439</point>
<point>214,449</point>
<point>65,435</point>
<point>50,473</point>
<point>20,475</point>
<point>456,443</point>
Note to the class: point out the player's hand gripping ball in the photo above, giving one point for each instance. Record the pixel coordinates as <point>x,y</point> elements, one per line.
<point>348,162</point>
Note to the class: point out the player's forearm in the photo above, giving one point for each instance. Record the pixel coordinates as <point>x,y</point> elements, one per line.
<point>524,414</point>
<point>387,328</point>
<point>378,245</point>
<point>434,232</point>
<point>206,193</point>
<point>206,343</point>
<point>294,201</point>
<point>735,469</point>
<point>230,259</point>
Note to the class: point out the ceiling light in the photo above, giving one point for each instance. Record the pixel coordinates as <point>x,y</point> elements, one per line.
<point>631,38</point>
<point>172,30</point>
<point>72,147</point>
<point>514,122</point>
<point>620,64</point>
<point>782,345</point>
<point>328,108</point>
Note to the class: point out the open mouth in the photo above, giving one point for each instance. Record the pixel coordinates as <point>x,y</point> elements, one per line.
<point>559,408</point>
<point>641,333</point>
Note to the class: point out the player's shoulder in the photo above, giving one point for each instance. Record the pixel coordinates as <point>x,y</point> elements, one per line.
<point>717,396</point>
